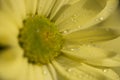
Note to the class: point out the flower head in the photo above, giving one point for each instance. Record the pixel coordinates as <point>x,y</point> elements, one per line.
<point>54,40</point>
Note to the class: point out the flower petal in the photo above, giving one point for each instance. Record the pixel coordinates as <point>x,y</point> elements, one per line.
<point>73,1</point>
<point>10,58</point>
<point>7,26</point>
<point>72,70</point>
<point>84,14</point>
<point>38,73</point>
<point>17,6</point>
<point>31,6</point>
<point>44,7</point>
<point>11,64</point>
<point>46,73</point>
<point>57,7</point>
<point>35,72</point>
<point>15,10</point>
<point>112,22</point>
<point>92,55</point>
<point>8,34</point>
<point>86,52</point>
<point>94,34</point>
<point>23,74</point>
<point>31,74</point>
<point>112,45</point>
<point>108,62</point>
<point>52,71</point>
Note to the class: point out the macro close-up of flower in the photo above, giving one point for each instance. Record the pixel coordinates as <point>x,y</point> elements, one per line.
<point>59,40</point>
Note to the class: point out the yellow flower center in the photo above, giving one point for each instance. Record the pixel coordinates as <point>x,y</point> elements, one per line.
<point>40,40</point>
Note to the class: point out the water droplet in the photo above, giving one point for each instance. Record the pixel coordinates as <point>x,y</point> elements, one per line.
<point>44,72</point>
<point>79,26</point>
<point>75,49</point>
<point>65,32</point>
<point>105,70</point>
<point>69,70</point>
<point>101,18</point>
<point>72,49</point>
<point>74,19</point>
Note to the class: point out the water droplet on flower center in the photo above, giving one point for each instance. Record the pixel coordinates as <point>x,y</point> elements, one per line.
<point>40,40</point>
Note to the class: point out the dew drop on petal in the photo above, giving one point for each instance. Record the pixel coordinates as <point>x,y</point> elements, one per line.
<point>72,49</point>
<point>74,19</point>
<point>105,70</point>
<point>79,26</point>
<point>101,18</point>
<point>65,32</point>
<point>44,72</point>
<point>69,70</point>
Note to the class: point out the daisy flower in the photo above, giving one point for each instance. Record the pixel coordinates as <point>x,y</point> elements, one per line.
<point>53,40</point>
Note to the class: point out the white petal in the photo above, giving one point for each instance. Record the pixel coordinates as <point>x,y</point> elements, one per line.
<point>46,73</point>
<point>71,70</point>
<point>92,55</point>
<point>7,26</point>
<point>10,59</point>
<point>86,52</point>
<point>85,14</point>
<point>38,72</point>
<point>31,6</point>
<point>11,65</point>
<point>90,35</point>
<point>15,10</point>
<point>31,74</point>
<point>53,71</point>
<point>73,1</point>
<point>112,22</point>
<point>44,7</point>
<point>108,62</point>
<point>112,45</point>
<point>23,74</point>
<point>117,70</point>
<point>57,7</point>
<point>17,7</point>
<point>8,32</point>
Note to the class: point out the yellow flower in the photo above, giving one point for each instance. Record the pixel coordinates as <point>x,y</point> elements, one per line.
<point>55,39</point>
